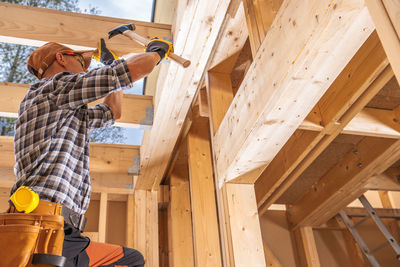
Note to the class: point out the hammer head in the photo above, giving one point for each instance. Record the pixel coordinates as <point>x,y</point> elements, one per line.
<point>121,29</point>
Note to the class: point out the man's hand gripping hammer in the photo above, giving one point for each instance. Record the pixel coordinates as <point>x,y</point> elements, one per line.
<point>128,30</point>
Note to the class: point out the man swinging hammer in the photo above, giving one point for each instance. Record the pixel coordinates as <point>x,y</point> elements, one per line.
<point>52,143</point>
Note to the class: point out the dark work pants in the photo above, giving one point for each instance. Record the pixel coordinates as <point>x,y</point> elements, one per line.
<point>81,252</point>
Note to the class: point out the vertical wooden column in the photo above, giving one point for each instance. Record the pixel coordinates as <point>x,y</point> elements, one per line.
<point>103,217</point>
<point>130,216</point>
<point>244,223</point>
<point>145,237</point>
<point>180,239</point>
<point>306,248</point>
<point>204,210</point>
<point>239,223</point>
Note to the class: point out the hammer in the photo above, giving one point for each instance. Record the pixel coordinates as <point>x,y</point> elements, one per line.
<point>128,30</point>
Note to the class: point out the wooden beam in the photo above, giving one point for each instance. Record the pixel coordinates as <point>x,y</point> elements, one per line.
<point>233,37</point>
<point>146,226</point>
<point>199,30</point>
<point>104,158</point>
<point>374,122</point>
<point>33,24</point>
<point>259,16</point>
<point>388,181</point>
<point>179,216</point>
<point>385,14</point>
<point>306,247</point>
<point>204,211</point>
<point>266,109</point>
<point>363,77</point>
<point>345,181</point>
<point>103,217</point>
<point>369,122</point>
<point>137,110</point>
<point>247,243</point>
<point>220,93</point>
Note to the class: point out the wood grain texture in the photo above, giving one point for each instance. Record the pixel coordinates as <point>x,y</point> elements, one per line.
<point>204,210</point>
<point>267,109</point>
<point>196,39</point>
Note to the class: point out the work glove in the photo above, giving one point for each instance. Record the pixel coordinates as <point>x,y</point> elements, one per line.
<point>103,54</point>
<point>160,46</point>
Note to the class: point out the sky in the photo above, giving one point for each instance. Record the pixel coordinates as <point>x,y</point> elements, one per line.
<point>126,9</point>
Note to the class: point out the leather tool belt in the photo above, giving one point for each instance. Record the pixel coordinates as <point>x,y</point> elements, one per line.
<point>36,238</point>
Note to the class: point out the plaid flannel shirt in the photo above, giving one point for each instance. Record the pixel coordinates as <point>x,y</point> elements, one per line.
<point>51,141</point>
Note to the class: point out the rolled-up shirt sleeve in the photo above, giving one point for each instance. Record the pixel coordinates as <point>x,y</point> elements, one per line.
<point>75,90</point>
<point>100,116</point>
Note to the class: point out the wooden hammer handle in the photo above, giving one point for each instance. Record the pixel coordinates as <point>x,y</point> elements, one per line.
<point>144,41</point>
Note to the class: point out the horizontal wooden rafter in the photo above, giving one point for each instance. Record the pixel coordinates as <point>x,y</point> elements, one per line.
<point>33,24</point>
<point>137,110</point>
<point>104,158</point>
<point>369,122</point>
<point>364,76</point>
<point>267,109</point>
<point>344,182</point>
<point>387,181</point>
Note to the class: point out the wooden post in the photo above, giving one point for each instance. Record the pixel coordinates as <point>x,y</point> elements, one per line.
<point>146,226</point>
<point>244,223</point>
<point>103,217</point>
<point>179,215</point>
<point>130,213</point>
<point>306,248</point>
<point>204,210</point>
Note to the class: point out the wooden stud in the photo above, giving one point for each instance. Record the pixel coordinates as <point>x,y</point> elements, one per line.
<point>179,215</point>
<point>204,210</point>
<point>392,223</point>
<point>103,217</point>
<point>306,247</point>
<point>146,226</point>
<point>130,216</point>
<point>247,243</point>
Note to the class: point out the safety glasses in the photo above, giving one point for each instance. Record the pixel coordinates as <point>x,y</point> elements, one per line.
<point>78,57</point>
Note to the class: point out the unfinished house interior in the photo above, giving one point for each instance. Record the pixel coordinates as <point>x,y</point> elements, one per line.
<point>278,146</point>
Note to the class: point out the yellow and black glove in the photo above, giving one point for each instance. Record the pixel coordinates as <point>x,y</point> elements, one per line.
<point>160,46</point>
<point>103,54</point>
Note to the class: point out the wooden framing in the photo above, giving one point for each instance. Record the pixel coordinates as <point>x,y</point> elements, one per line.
<point>197,40</point>
<point>306,248</point>
<point>261,125</point>
<point>204,212</point>
<point>137,109</point>
<point>35,26</point>
<point>370,65</point>
<point>179,215</point>
<point>217,157</point>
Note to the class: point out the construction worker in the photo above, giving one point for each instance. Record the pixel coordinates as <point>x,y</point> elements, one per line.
<point>52,136</point>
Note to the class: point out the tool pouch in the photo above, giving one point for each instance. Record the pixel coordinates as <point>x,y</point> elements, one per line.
<point>31,240</point>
